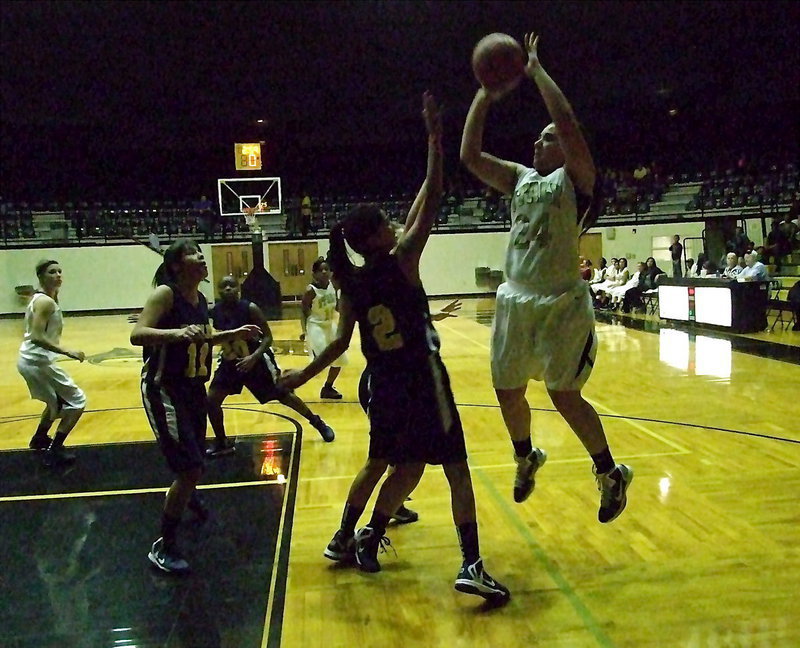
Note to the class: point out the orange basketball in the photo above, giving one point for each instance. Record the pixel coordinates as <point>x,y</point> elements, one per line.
<point>498,59</point>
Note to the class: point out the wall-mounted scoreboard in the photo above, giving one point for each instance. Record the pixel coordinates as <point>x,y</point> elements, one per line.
<point>248,157</point>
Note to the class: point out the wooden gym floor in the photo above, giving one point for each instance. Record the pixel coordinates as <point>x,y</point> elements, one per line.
<point>705,554</point>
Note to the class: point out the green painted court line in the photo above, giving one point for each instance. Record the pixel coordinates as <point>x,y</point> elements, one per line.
<point>550,567</point>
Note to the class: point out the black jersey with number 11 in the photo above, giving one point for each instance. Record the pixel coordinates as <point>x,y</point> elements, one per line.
<point>182,361</point>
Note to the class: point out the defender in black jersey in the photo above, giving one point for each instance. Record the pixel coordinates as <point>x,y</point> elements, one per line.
<point>177,339</point>
<point>413,418</point>
<point>248,364</point>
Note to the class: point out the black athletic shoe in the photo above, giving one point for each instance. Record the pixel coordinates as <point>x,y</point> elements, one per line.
<point>367,544</point>
<point>221,449</point>
<point>341,547</point>
<point>56,457</point>
<point>40,442</point>
<point>169,561</point>
<point>613,487</point>
<point>405,515</point>
<point>329,392</point>
<point>473,579</point>
<point>525,479</point>
<point>325,430</point>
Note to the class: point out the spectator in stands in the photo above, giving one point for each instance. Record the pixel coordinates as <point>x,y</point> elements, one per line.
<point>676,250</point>
<point>689,266</point>
<point>648,280</point>
<point>790,230</point>
<point>641,173</point>
<point>455,191</point>
<point>738,243</point>
<point>206,217</point>
<point>732,269</point>
<point>755,270</point>
<point>599,274</point>
<point>305,214</point>
<point>491,202</point>
<point>778,243</point>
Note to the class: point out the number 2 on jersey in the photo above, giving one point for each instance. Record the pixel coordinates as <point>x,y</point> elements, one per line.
<point>384,328</point>
<point>196,367</point>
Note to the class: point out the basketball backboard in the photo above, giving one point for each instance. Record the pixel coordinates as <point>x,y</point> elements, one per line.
<point>238,194</point>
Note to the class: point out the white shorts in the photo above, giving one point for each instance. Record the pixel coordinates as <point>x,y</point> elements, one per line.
<point>52,385</point>
<point>318,337</point>
<point>549,338</point>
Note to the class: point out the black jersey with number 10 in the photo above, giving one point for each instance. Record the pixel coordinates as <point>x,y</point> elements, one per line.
<point>182,361</point>
<point>393,317</point>
<point>227,317</point>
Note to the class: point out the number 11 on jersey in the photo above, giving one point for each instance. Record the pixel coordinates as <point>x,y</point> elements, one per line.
<point>196,364</point>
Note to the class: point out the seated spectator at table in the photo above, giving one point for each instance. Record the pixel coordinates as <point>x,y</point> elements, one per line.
<point>648,281</point>
<point>697,268</point>
<point>617,295</point>
<point>599,274</point>
<point>732,269</point>
<point>709,269</point>
<point>689,266</point>
<point>738,243</point>
<point>755,270</point>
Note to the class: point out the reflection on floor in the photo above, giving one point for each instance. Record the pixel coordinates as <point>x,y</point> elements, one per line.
<point>75,568</point>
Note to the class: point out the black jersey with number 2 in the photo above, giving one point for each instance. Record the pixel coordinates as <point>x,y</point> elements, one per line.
<point>181,361</point>
<point>393,317</point>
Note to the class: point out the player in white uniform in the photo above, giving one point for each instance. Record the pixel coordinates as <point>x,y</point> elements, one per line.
<point>319,322</point>
<point>37,357</point>
<point>544,322</point>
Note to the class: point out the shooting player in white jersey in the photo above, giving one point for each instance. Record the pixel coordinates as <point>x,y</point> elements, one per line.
<point>544,322</point>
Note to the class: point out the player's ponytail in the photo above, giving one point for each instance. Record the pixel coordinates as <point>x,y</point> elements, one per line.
<point>338,258</point>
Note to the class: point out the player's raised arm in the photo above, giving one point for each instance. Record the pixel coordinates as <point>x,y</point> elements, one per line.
<point>414,238</point>
<point>499,174</point>
<point>578,158</point>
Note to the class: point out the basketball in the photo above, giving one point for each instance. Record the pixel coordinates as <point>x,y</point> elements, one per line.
<point>498,59</point>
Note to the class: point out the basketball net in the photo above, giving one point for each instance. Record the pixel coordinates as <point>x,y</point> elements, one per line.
<point>250,218</point>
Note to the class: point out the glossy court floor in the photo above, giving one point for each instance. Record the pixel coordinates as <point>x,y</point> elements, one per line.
<point>706,554</point>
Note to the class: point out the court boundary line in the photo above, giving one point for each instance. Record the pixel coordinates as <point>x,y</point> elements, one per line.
<point>133,491</point>
<point>273,619</point>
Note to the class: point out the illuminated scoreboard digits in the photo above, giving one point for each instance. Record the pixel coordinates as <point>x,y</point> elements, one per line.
<point>248,157</point>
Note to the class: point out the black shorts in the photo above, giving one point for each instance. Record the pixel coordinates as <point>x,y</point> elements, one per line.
<point>177,414</point>
<point>413,416</point>
<point>260,381</point>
